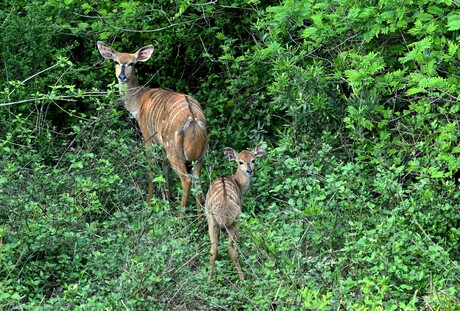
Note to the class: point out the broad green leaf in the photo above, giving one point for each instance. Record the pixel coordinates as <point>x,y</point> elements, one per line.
<point>453,22</point>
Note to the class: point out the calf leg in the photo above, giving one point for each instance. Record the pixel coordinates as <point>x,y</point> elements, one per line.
<point>233,234</point>
<point>214,232</point>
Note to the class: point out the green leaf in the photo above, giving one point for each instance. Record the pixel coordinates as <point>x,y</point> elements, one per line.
<point>159,179</point>
<point>453,22</point>
<point>453,48</point>
<point>437,174</point>
<point>309,32</point>
<point>415,90</point>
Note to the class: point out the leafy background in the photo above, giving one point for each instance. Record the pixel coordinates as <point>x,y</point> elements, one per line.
<point>355,206</point>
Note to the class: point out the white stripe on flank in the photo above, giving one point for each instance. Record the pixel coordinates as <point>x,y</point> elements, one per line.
<point>175,113</point>
<point>216,191</point>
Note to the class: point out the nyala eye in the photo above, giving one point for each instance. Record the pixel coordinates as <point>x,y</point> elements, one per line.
<point>241,162</point>
<point>253,161</point>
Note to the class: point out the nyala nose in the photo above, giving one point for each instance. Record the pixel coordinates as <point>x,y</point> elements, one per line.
<point>249,171</point>
<point>122,77</point>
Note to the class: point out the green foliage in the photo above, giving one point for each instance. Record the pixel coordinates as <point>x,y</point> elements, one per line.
<point>354,207</point>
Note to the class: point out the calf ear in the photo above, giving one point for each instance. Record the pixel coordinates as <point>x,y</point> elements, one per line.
<point>259,150</point>
<point>106,51</point>
<point>230,154</point>
<point>144,53</point>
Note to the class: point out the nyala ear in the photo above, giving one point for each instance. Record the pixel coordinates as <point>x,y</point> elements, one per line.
<point>259,150</point>
<point>230,154</point>
<point>106,51</point>
<point>144,53</point>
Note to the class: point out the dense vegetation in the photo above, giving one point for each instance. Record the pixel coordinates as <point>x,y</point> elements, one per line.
<point>355,206</point>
